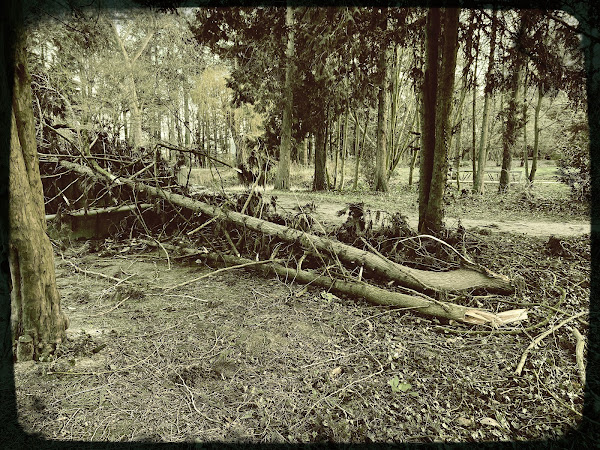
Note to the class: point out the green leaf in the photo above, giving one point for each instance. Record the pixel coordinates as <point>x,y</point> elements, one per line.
<point>397,386</point>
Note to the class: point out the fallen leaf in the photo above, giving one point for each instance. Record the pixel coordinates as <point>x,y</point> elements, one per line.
<point>336,372</point>
<point>490,421</point>
<point>464,422</point>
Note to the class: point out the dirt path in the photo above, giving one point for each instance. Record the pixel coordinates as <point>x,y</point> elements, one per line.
<point>327,213</point>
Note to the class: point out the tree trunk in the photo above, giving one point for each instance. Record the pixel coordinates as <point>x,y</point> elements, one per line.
<point>38,324</point>
<point>474,277</point>
<point>186,117</point>
<point>482,154</point>
<point>344,150</point>
<point>336,152</point>
<point>525,150</point>
<point>304,151</point>
<point>437,90</point>
<point>381,166</point>
<point>416,149</point>
<point>356,152</point>
<point>135,110</point>
<point>319,181</point>
<point>361,147</point>
<point>509,140</point>
<point>536,136</point>
<point>376,295</point>
<point>474,110</point>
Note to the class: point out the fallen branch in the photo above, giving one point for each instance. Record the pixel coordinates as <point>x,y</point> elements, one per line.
<point>464,279</point>
<point>376,295</point>
<point>95,212</point>
<point>579,347</point>
<point>98,274</point>
<point>538,339</point>
<point>247,263</point>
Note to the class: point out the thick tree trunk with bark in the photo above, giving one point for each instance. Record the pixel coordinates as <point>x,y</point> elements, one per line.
<point>473,277</point>
<point>437,90</point>
<point>509,141</point>
<point>378,296</point>
<point>37,322</point>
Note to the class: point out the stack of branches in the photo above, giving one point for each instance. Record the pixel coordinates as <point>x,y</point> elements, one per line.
<point>246,231</point>
<point>67,192</point>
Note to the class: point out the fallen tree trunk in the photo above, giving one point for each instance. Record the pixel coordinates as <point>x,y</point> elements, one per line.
<point>379,296</point>
<point>459,280</point>
<point>95,212</point>
<point>372,294</point>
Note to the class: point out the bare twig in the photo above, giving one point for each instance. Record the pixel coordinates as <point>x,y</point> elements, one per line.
<point>205,224</point>
<point>224,269</point>
<point>90,272</point>
<point>538,339</point>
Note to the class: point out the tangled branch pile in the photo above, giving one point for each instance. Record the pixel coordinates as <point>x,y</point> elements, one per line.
<point>247,230</point>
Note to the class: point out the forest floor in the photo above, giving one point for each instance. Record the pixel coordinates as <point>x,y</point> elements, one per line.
<point>242,358</point>
<point>163,350</point>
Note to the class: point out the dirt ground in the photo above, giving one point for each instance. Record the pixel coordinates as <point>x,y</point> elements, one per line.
<point>238,357</point>
<point>327,213</point>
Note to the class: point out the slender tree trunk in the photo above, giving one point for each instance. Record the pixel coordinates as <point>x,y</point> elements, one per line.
<point>509,140</point>
<point>416,150</point>
<point>482,153</point>
<point>319,182</point>
<point>536,136</point>
<point>135,110</point>
<point>304,151</point>
<point>381,166</point>
<point>360,148</point>
<point>215,132</point>
<point>186,117</point>
<point>525,151</point>
<point>344,150</point>
<point>474,123</point>
<point>38,323</point>
<point>336,152</point>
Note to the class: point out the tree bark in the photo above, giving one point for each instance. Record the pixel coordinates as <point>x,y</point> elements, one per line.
<point>536,135</point>
<point>381,166</point>
<point>454,280</point>
<point>509,141</point>
<point>344,150</point>
<point>319,181</point>
<point>378,296</point>
<point>438,88</point>
<point>37,321</point>
<point>282,179</point>
<point>482,153</point>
